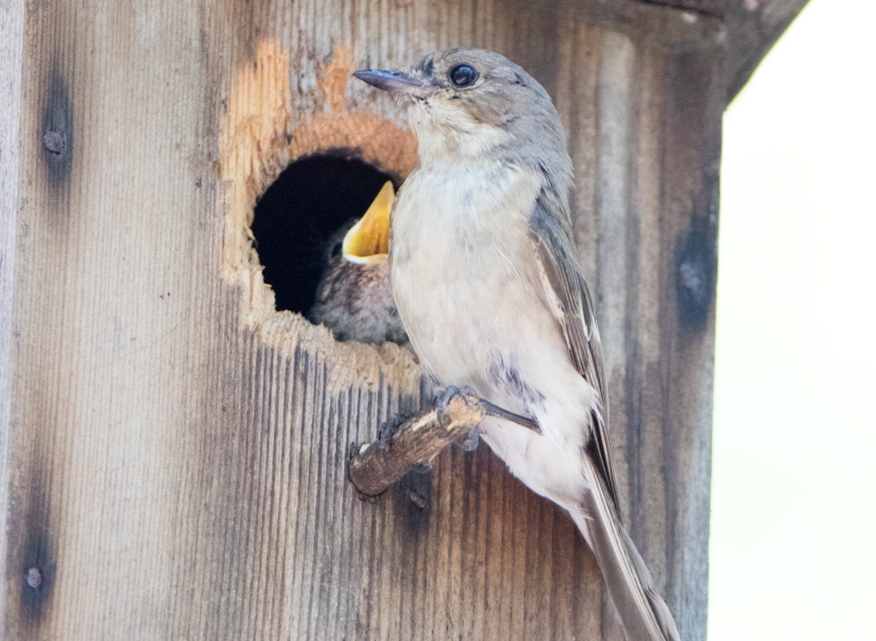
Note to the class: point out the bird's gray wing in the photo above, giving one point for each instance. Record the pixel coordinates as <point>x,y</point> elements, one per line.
<point>642,611</point>
<point>572,307</point>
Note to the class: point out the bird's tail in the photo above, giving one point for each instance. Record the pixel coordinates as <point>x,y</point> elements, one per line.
<point>643,613</point>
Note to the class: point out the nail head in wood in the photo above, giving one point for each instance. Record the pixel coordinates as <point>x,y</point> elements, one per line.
<point>34,578</point>
<point>53,142</point>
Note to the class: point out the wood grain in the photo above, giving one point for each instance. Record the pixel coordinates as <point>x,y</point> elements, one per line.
<point>173,449</point>
<point>709,7</point>
<point>11,54</point>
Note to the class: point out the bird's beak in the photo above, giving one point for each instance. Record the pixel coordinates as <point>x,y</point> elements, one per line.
<point>398,83</point>
<point>367,241</point>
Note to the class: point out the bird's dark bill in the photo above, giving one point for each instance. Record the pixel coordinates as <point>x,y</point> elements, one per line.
<point>368,240</point>
<point>398,82</point>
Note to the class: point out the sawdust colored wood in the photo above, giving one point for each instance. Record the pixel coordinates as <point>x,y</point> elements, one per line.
<point>174,450</point>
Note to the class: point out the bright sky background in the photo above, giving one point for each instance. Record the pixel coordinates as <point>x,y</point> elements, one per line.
<point>793,539</point>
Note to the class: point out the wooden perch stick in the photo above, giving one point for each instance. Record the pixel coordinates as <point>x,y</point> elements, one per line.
<point>420,439</point>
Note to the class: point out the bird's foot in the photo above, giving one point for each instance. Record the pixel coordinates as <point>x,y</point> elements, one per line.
<point>449,394</point>
<point>466,396</point>
<point>389,427</point>
<point>473,402</point>
<point>471,440</point>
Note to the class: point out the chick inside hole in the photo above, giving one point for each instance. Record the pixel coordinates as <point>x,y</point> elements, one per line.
<point>314,266</point>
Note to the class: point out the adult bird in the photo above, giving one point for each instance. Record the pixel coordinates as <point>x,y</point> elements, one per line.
<point>486,281</point>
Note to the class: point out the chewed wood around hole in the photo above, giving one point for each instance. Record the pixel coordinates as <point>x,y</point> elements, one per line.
<point>269,142</point>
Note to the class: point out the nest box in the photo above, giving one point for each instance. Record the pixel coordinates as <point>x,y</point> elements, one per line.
<point>174,433</point>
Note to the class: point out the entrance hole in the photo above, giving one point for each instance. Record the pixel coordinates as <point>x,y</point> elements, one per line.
<point>298,213</point>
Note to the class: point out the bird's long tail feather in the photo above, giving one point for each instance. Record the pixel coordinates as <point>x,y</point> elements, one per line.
<point>643,613</point>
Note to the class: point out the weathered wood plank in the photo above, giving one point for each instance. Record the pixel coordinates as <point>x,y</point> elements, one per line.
<point>752,29</point>
<point>11,55</point>
<point>176,448</point>
<point>709,7</point>
<point>747,28</point>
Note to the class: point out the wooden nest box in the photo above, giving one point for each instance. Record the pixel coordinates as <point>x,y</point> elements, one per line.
<point>174,434</point>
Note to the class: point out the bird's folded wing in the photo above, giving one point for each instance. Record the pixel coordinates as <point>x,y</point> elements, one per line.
<point>572,306</point>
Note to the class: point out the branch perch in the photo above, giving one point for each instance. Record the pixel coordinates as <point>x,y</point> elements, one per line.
<point>419,440</point>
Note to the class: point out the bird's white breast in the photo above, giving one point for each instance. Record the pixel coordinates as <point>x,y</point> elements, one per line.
<point>463,272</point>
<point>470,294</point>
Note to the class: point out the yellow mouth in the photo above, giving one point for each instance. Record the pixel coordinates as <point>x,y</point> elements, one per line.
<point>368,240</point>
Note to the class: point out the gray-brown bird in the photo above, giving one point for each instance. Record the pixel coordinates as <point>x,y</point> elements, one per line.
<point>486,280</point>
<point>354,297</point>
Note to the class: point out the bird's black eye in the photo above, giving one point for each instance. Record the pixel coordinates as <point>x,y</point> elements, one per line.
<point>336,249</point>
<point>463,75</point>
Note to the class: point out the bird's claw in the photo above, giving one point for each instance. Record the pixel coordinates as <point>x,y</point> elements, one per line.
<point>449,394</point>
<point>389,427</point>
<point>471,402</point>
<point>471,440</point>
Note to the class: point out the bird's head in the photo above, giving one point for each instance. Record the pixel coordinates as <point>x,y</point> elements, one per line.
<point>473,104</point>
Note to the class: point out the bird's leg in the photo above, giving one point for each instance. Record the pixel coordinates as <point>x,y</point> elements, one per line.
<point>419,439</point>
<point>523,421</point>
<point>415,441</point>
<point>490,409</point>
<point>387,429</point>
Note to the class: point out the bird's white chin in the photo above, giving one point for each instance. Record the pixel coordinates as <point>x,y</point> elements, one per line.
<point>446,132</point>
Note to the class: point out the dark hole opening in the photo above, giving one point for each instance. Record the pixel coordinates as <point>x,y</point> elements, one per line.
<point>295,217</point>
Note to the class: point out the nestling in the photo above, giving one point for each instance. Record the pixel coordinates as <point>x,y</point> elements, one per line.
<point>354,298</point>
<point>487,284</point>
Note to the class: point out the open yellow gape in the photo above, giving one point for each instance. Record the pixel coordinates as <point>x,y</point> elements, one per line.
<point>367,242</point>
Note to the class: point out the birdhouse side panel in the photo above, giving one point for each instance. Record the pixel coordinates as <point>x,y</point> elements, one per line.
<point>176,449</point>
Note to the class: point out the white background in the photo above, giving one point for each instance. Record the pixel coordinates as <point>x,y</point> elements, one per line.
<point>793,538</point>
